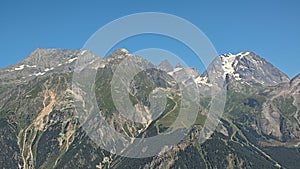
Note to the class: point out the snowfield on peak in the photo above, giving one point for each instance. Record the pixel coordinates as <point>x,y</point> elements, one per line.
<point>230,62</point>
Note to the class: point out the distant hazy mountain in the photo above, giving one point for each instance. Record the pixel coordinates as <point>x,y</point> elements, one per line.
<point>39,127</point>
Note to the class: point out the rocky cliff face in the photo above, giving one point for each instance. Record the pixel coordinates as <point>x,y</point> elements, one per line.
<point>40,128</point>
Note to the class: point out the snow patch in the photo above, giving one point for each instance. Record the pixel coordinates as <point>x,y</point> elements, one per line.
<point>72,60</point>
<point>31,66</point>
<point>48,69</point>
<point>83,52</point>
<point>243,54</point>
<point>237,77</point>
<point>39,74</point>
<point>124,50</point>
<point>174,71</point>
<point>177,69</point>
<point>102,65</point>
<point>227,64</point>
<point>21,67</point>
<point>202,81</point>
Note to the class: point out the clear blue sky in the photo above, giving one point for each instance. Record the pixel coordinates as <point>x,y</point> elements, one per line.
<point>270,28</point>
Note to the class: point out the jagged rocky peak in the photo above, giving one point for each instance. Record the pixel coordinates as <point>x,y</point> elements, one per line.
<point>120,53</point>
<point>178,65</point>
<point>42,62</point>
<point>252,69</point>
<point>296,80</point>
<point>53,57</point>
<point>166,66</point>
<point>295,87</point>
<point>192,72</point>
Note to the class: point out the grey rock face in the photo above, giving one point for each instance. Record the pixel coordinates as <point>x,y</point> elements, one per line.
<point>41,62</point>
<point>257,70</point>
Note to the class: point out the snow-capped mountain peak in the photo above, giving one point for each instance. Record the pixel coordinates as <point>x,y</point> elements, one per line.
<point>246,67</point>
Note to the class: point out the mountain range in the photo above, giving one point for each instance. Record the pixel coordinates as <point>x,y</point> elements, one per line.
<point>40,126</point>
